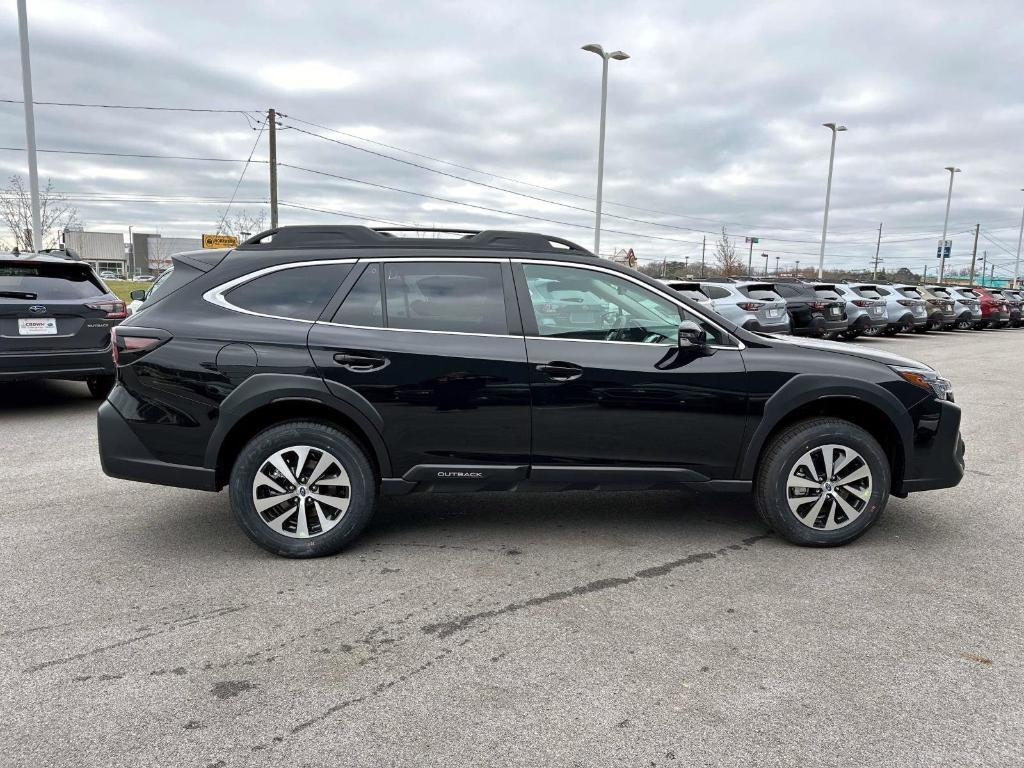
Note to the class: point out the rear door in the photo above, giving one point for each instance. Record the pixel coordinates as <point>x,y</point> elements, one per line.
<point>435,347</point>
<point>53,307</point>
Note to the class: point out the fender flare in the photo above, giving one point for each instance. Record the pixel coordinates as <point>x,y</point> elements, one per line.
<point>262,389</point>
<point>807,388</point>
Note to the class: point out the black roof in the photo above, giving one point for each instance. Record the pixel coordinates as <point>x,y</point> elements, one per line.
<point>342,236</point>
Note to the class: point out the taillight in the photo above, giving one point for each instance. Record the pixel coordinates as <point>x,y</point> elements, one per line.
<point>816,304</point>
<point>115,309</point>
<point>750,306</point>
<point>861,303</point>
<point>133,346</point>
<point>905,302</point>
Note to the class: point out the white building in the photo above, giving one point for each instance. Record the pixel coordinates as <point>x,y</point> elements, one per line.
<point>103,250</point>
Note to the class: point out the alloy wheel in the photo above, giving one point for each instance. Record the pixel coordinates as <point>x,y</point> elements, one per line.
<point>829,487</point>
<point>301,491</point>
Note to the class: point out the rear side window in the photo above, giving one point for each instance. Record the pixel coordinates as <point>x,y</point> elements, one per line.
<point>691,293</point>
<point>910,293</point>
<point>446,296</point>
<point>297,293</point>
<point>363,305</point>
<point>868,292</point>
<point>48,282</point>
<point>715,292</point>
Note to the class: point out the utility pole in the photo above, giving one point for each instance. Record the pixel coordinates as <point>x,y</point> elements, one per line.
<point>984,265</point>
<point>272,120</point>
<point>777,265</point>
<point>991,274</point>
<point>953,171</point>
<point>703,248</point>
<point>765,257</point>
<point>974,253</point>
<point>878,247</point>
<point>1020,237</point>
<point>924,275</point>
<point>750,256</point>
<point>664,267</point>
<point>30,127</point>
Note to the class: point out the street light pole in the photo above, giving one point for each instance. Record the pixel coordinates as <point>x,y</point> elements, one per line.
<point>1020,237</point>
<point>765,257</point>
<point>953,170</point>
<point>828,194</point>
<point>618,56</point>
<point>30,127</point>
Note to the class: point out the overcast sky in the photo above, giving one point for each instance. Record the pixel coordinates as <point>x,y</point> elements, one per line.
<point>716,118</point>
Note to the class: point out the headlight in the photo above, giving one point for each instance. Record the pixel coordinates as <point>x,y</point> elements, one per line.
<point>927,379</point>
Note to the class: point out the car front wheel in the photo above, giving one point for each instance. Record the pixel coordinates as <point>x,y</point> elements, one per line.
<point>303,489</point>
<point>822,482</point>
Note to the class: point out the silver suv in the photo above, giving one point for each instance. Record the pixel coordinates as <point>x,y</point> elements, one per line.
<point>966,305</point>
<point>902,313</point>
<point>863,314</point>
<point>751,305</point>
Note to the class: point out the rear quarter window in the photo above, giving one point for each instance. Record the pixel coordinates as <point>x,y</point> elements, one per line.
<point>49,282</point>
<point>296,293</point>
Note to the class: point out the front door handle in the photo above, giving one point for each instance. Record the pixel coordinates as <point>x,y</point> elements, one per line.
<point>560,371</point>
<point>360,363</point>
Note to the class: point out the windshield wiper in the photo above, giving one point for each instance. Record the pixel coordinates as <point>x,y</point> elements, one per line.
<point>19,295</point>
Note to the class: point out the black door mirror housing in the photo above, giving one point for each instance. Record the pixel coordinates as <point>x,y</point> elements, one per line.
<point>139,294</point>
<point>692,337</point>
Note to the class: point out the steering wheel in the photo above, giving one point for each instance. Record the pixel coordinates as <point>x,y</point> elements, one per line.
<point>623,332</point>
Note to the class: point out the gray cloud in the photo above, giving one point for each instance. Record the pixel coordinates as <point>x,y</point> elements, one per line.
<point>716,118</point>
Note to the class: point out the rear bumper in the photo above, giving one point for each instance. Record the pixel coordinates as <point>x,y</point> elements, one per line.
<point>124,456</point>
<point>22,366</point>
<point>938,451</point>
<point>778,327</point>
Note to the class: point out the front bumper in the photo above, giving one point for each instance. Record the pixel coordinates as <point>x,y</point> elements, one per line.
<point>124,456</point>
<point>75,365</point>
<point>937,454</point>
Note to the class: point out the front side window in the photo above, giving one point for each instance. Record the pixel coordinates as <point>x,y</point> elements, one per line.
<point>297,293</point>
<point>578,303</point>
<point>459,297</point>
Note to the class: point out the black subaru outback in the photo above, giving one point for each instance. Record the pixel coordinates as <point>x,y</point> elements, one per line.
<point>55,321</point>
<point>312,369</point>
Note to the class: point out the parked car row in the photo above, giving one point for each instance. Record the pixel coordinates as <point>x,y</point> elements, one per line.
<point>849,309</point>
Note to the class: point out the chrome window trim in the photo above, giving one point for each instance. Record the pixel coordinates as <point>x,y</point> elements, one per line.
<point>216,295</point>
<point>420,330</point>
<point>596,268</point>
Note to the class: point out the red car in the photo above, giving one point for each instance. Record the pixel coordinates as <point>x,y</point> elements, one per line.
<point>994,308</point>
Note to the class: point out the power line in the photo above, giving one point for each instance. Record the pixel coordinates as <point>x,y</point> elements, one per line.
<point>130,154</point>
<point>131,106</point>
<point>346,214</point>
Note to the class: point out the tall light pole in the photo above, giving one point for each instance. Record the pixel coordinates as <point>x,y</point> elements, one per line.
<point>618,56</point>
<point>30,127</point>
<point>1020,237</point>
<point>828,194</point>
<point>953,170</point>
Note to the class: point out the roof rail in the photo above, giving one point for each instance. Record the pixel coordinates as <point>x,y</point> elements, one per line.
<point>334,236</point>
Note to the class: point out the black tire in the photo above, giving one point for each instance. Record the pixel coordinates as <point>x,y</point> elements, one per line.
<point>890,331</point>
<point>923,329</point>
<point>100,386</point>
<point>782,453</point>
<point>362,493</point>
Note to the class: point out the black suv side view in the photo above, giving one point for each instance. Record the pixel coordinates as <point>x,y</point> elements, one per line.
<point>312,369</point>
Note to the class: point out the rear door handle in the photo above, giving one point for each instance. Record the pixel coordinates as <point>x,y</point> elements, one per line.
<point>360,363</point>
<point>560,371</point>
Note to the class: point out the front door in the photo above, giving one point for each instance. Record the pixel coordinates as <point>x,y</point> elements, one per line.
<point>435,347</point>
<point>610,386</point>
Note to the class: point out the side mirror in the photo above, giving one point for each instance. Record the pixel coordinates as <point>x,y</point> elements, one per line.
<point>692,337</point>
<point>139,294</point>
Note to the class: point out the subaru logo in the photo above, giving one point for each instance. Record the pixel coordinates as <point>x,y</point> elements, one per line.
<point>37,308</point>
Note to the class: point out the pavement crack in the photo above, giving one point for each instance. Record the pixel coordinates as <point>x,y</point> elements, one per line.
<point>445,628</point>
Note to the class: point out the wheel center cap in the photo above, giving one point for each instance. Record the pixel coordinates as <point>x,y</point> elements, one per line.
<point>828,487</point>
<point>302,490</point>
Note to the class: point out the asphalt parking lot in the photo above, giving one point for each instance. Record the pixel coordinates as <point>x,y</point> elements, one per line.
<point>140,627</point>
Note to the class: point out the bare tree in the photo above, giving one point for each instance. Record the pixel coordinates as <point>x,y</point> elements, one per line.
<point>56,214</point>
<point>725,256</point>
<point>242,222</point>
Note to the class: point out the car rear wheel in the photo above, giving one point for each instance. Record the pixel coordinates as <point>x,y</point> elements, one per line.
<point>100,386</point>
<point>303,489</point>
<point>822,482</point>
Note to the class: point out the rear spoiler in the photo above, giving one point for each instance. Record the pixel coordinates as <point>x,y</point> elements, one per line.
<point>203,260</point>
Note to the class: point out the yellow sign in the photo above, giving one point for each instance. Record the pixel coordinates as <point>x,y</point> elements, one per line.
<point>219,241</point>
